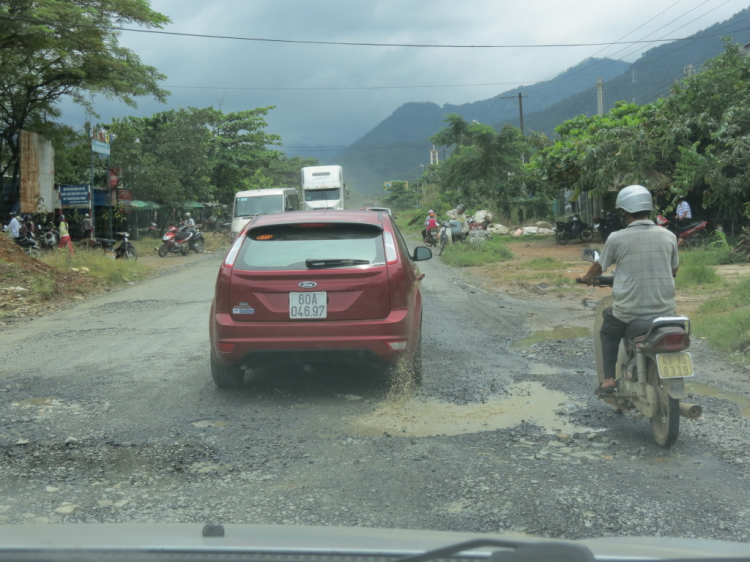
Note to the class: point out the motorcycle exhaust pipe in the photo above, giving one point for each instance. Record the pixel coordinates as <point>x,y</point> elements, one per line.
<point>691,411</point>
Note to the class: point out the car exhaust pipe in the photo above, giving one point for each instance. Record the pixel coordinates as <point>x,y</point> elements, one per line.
<point>691,411</point>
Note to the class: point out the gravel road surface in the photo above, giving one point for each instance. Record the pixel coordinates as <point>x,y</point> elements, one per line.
<point>108,414</point>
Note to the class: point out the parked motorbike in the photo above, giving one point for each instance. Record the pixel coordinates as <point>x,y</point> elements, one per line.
<point>125,251</point>
<point>652,366</point>
<point>574,228</point>
<point>49,239</point>
<point>450,231</point>
<point>689,235</point>
<point>609,223</point>
<point>29,245</point>
<point>196,241</point>
<point>153,230</point>
<point>175,241</point>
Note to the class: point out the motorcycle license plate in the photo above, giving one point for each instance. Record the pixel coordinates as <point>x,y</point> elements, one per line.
<point>675,365</point>
<point>308,305</point>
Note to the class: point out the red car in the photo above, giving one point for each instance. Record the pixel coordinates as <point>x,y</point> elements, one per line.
<point>313,286</point>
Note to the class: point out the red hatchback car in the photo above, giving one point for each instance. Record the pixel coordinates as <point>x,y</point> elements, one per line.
<point>317,286</point>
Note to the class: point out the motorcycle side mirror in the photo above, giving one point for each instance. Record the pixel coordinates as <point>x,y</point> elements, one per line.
<point>590,255</point>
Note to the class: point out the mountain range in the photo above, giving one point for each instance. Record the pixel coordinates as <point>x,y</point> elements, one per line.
<point>398,147</point>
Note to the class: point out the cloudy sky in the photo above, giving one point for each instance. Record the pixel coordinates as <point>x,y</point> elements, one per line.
<point>331,95</point>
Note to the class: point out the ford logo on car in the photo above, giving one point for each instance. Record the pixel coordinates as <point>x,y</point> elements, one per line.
<point>308,284</point>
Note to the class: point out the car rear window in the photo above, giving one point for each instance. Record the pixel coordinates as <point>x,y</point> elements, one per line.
<point>291,246</point>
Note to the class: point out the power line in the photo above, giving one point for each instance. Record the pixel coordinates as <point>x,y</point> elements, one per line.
<point>348,43</point>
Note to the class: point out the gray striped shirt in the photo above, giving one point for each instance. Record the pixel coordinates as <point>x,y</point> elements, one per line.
<point>645,255</point>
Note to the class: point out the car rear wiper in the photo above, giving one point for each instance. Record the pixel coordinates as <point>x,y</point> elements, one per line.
<point>322,264</point>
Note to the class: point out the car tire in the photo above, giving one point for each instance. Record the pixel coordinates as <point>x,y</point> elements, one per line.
<point>226,377</point>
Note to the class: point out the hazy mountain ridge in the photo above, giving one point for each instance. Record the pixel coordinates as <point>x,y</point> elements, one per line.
<point>398,146</point>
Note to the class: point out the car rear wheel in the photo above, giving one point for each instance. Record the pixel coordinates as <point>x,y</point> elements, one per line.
<point>226,377</point>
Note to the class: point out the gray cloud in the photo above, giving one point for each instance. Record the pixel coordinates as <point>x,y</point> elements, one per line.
<point>338,117</point>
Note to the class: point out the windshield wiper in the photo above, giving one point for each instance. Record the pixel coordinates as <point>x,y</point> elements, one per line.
<point>322,264</point>
<point>518,551</point>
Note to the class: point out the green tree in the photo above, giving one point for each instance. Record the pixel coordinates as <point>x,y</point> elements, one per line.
<point>55,48</point>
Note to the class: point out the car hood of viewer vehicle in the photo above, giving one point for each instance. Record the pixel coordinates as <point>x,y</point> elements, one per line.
<point>165,538</point>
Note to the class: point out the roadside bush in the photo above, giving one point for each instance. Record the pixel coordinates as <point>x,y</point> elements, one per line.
<point>469,255</point>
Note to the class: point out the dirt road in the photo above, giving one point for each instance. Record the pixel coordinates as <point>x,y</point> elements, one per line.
<point>108,414</point>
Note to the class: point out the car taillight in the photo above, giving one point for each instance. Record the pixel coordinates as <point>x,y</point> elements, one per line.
<point>225,347</point>
<point>672,342</point>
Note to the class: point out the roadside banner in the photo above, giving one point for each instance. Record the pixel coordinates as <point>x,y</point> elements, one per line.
<point>100,142</point>
<point>74,196</point>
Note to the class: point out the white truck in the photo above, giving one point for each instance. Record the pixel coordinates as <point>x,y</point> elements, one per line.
<point>323,187</point>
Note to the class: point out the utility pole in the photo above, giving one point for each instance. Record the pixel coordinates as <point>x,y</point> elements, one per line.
<point>520,108</point>
<point>434,156</point>
<point>600,96</point>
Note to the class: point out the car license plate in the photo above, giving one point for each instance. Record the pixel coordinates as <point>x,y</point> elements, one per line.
<point>308,305</point>
<point>675,365</point>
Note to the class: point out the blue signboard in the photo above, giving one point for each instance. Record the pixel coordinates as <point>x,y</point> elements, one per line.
<point>72,196</point>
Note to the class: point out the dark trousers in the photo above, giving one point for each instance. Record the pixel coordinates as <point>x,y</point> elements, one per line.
<point>610,334</point>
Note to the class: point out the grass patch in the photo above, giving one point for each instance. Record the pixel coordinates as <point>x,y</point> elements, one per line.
<point>110,271</point>
<point>705,256</point>
<point>725,321</point>
<point>527,238</point>
<point>469,255</point>
<point>44,287</point>
<point>545,263</point>
<point>695,275</point>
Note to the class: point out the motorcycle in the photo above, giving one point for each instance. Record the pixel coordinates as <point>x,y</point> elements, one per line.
<point>450,231</point>
<point>432,238</point>
<point>125,250</point>
<point>609,223</point>
<point>153,230</point>
<point>176,241</point>
<point>691,234</point>
<point>196,241</point>
<point>652,366</point>
<point>29,245</point>
<point>49,239</point>
<point>574,228</point>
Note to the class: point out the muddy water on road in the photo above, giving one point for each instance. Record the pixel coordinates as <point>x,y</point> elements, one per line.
<point>410,417</point>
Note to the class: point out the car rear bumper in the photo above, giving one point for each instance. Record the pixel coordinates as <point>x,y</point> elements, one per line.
<point>365,339</point>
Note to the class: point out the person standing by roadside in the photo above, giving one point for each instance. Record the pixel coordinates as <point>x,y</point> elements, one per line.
<point>86,226</point>
<point>15,226</point>
<point>65,236</point>
<point>683,213</point>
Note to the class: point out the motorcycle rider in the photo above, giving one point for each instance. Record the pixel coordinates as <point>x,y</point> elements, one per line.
<point>647,260</point>
<point>14,227</point>
<point>461,217</point>
<point>683,214</point>
<point>189,222</point>
<point>430,224</point>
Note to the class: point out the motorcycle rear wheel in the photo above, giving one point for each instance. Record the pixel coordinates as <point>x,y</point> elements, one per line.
<point>666,421</point>
<point>33,252</point>
<point>198,247</point>
<point>163,251</point>
<point>586,235</point>
<point>131,254</point>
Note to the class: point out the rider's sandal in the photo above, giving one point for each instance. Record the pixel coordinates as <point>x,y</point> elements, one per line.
<point>605,389</point>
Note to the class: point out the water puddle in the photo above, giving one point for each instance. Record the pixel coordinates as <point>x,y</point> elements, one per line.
<point>705,390</point>
<point>529,401</point>
<point>558,333</point>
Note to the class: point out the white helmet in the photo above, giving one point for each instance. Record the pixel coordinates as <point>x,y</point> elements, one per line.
<point>634,199</point>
